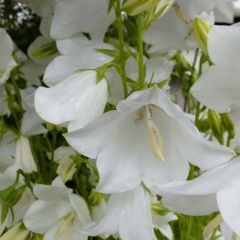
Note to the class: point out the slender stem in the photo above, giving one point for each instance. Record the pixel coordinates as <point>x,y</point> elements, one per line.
<point>197,115</point>
<point>141,74</point>
<point>118,11</point>
<point>189,228</point>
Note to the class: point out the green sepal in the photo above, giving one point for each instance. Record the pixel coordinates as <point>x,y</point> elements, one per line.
<point>46,50</point>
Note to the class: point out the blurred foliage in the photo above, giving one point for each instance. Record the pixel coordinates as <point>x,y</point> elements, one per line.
<point>20,22</point>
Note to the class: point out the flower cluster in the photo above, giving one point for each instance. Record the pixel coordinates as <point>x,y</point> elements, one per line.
<point>122,116</point>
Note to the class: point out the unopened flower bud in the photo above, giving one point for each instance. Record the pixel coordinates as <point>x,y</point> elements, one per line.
<point>215,123</point>
<point>46,50</point>
<point>201,30</point>
<point>95,198</point>
<point>135,7</point>
<point>24,156</point>
<point>228,124</point>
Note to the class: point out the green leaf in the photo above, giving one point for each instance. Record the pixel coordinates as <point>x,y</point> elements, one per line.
<point>111,5</point>
<point>4,213</point>
<point>16,196</point>
<point>108,52</point>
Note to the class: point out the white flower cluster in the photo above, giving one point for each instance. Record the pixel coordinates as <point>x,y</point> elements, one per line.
<point>122,115</point>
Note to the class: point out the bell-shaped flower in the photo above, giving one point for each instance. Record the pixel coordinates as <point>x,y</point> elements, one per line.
<point>77,100</point>
<point>7,63</point>
<point>58,213</point>
<point>24,156</point>
<point>148,139</point>
<point>127,214</point>
<point>75,16</point>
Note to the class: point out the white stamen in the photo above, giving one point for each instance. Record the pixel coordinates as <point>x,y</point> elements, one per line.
<point>154,136</point>
<point>212,225</point>
<point>180,13</point>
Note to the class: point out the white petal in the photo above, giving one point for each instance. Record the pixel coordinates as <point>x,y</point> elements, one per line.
<point>227,233</point>
<point>63,66</point>
<point>81,208</point>
<point>169,33</point>
<point>7,150</point>
<point>96,101</point>
<point>223,44</point>
<point>166,230</point>
<point>23,205</point>
<point>136,222</point>
<point>208,183</point>
<point>109,224</point>
<point>74,16</point>
<point>214,91</point>
<point>162,223</point>
<point>133,220</point>
<point>115,86</point>
<point>182,197</point>
<point>32,72</point>
<point>72,100</point>
<point>51,192</point>
<point>32,123</point>
<point>7,63</point>
<point>234,115</point>
<point>228,202</point>
<point>193,8</point>
<point>191,205</point>
<point>42,216</point>
<point>158,69</point>
<point>224,12</point>
<point>80,44</point>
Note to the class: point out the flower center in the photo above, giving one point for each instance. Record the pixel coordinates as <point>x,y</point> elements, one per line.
<point>154,136</point>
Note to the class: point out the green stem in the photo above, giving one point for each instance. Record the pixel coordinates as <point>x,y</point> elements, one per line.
<point>118,11</point>
<point>197,115</point>
<point>141,74</point>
